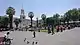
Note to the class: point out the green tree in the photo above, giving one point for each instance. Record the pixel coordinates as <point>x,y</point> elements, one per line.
<point>79,14</point>
<point>63,19</point>
<point>68,16</point>
<point>4,21</point>
<point>72,15</point>
<point>10,11</point>
<point>17,21</point>
<point>49,20</point>
<point>56,19</point>
<point>0,17</point>
<point>53,20</point>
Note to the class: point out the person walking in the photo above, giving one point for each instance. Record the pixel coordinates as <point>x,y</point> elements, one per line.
<point>49,29</point>
<point>57,28</point>
<point>52,29</point>
<point>6,36</point>
<point>34,39</point>
<point>34,34</point>
<point>68,26</point>
<point>25,40</point>
<point>61,28</point>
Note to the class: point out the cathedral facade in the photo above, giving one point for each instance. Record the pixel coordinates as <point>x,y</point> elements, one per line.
<point>24,22</point>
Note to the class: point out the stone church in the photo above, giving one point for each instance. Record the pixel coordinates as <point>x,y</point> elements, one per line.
<point>24,22</point>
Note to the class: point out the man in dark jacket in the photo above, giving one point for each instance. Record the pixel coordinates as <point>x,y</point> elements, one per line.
<point>34,34</point>
<point>52,29</point>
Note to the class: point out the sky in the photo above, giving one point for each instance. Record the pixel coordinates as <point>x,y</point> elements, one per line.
<point>38,7</point>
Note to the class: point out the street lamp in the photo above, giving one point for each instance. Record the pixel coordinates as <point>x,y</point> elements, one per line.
<point>38,27</point>
<point>37,21</point>
<point>43,16</point>
<point>31,15</point>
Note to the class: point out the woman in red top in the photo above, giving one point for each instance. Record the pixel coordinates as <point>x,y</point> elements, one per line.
<point>57,28</point>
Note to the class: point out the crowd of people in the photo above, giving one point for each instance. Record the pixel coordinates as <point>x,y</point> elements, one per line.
<point>64,27</point>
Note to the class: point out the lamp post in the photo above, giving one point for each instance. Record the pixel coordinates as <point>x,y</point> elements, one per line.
<point>38,27</point>
<point>31,15</point>
<point>37,21</point>
<point>43,16</point>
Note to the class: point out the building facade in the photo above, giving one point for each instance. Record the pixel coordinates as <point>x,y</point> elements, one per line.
<point>24,22</point>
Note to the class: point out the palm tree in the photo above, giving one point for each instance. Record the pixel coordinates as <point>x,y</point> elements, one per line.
<point>31,15</point>
<point>43,16</point>
<point>10,11</point>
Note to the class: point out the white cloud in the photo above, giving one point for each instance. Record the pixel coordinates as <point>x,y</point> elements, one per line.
<point>16,16</point>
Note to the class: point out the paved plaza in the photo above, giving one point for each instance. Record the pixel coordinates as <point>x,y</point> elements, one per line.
<point>68,37</point>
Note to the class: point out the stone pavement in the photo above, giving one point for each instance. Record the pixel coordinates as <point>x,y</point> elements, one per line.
<point>68,37</point>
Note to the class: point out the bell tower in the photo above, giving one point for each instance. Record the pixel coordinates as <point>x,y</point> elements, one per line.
<point>22,17</point>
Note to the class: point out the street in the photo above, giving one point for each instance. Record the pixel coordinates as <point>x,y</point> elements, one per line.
<point>68,37</point>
